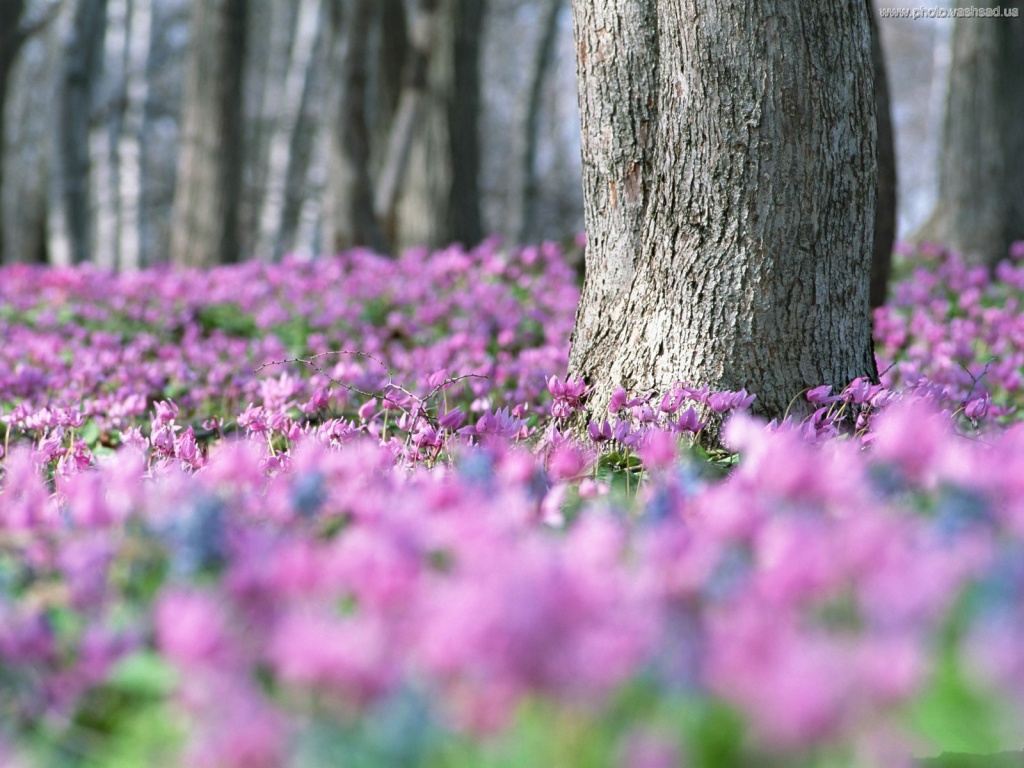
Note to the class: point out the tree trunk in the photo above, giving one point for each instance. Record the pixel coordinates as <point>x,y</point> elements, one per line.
<point>11,40</point>
<point>279,154</point>
<point>980,206</point>
<point>525,205</point>
<point>271,28</point>
<point>130,181</point>
<point>417,137</point>
<point>464,222</point>
<point>299,194</point>
<point>32,84</point>
<point>885,203</point>
<point>83,64</point>
<point>729,180</point>
<point>350,219</point>
<point>390,56</point>
<point>205,221</point>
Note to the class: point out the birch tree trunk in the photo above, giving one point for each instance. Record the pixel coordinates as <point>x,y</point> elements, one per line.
<point>294,96</point>
<point>105,138</point>
<point>980,206</point>
<point>729,181</point>
<point>205,220</point>
<point>130,181</point>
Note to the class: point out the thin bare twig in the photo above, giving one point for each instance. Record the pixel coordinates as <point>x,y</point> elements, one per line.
<point>390,385</point>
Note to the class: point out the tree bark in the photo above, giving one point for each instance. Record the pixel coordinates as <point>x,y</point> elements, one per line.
<point>392,44</point>
<point>886,200</point>
<point>464,219</point>
<point>32,83</point>
<point>130,180</point>
<point>729,181</point>
<point>980,206</point>
<point>350,218</point>
<point>525,211</point>
<point>271,28</point>
<point>415,130</point>
<point>83,65</point>
<point>280,159</point>
<point>11,40</point>
<point>205,221</point>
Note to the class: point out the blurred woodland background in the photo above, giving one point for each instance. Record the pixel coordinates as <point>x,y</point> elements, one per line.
<point>209,131</point>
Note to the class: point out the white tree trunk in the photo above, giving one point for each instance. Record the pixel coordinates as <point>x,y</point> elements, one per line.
<point>104,139</point>
<point>129,148</point>
<point>279,155</point>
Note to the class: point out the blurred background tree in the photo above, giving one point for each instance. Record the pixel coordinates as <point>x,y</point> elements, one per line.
<point>980,207</point>
<point>96,103</point>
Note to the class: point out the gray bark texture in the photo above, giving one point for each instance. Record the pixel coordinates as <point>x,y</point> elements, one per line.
<point>464,217</point>
<point>980,207</point>
<point>12,37</point>
<point>82,70</point>
<point>350,218</point>
<point>205,229</point>
<point>524,213</point>
<point>411,196</point>
<point>729,179</point>
<point>887,190</point>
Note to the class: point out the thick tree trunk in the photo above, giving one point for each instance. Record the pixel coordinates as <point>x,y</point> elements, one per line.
<point>350,219</point>
<point>980,206</point>
<point>524,215</point>
<point>205,221</point>
<point>885,203</point>
<point>729,177</point>
<point>464,220</point>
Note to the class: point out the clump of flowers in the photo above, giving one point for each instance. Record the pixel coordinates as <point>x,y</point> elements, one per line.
<point>402,555</point>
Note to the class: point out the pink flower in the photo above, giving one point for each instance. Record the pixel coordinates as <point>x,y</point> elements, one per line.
<point>190,628</point>
<point>658,449</point>
<point>351,658</point>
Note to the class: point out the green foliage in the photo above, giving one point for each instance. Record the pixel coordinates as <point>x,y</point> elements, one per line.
<point>294,334</point>
<point>228,318</point>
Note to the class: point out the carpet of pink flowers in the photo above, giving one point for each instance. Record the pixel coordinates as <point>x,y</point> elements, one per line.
<point>329,513</point>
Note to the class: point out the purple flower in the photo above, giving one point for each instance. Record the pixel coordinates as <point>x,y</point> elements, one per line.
<point>499,423</point>
<point>688,421</point>
<point>166,411</point>
<point>451,420</point>
<point>977,408</point>
<point>599,434</point>
<point>720,402</point>
<point>821,395</point>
